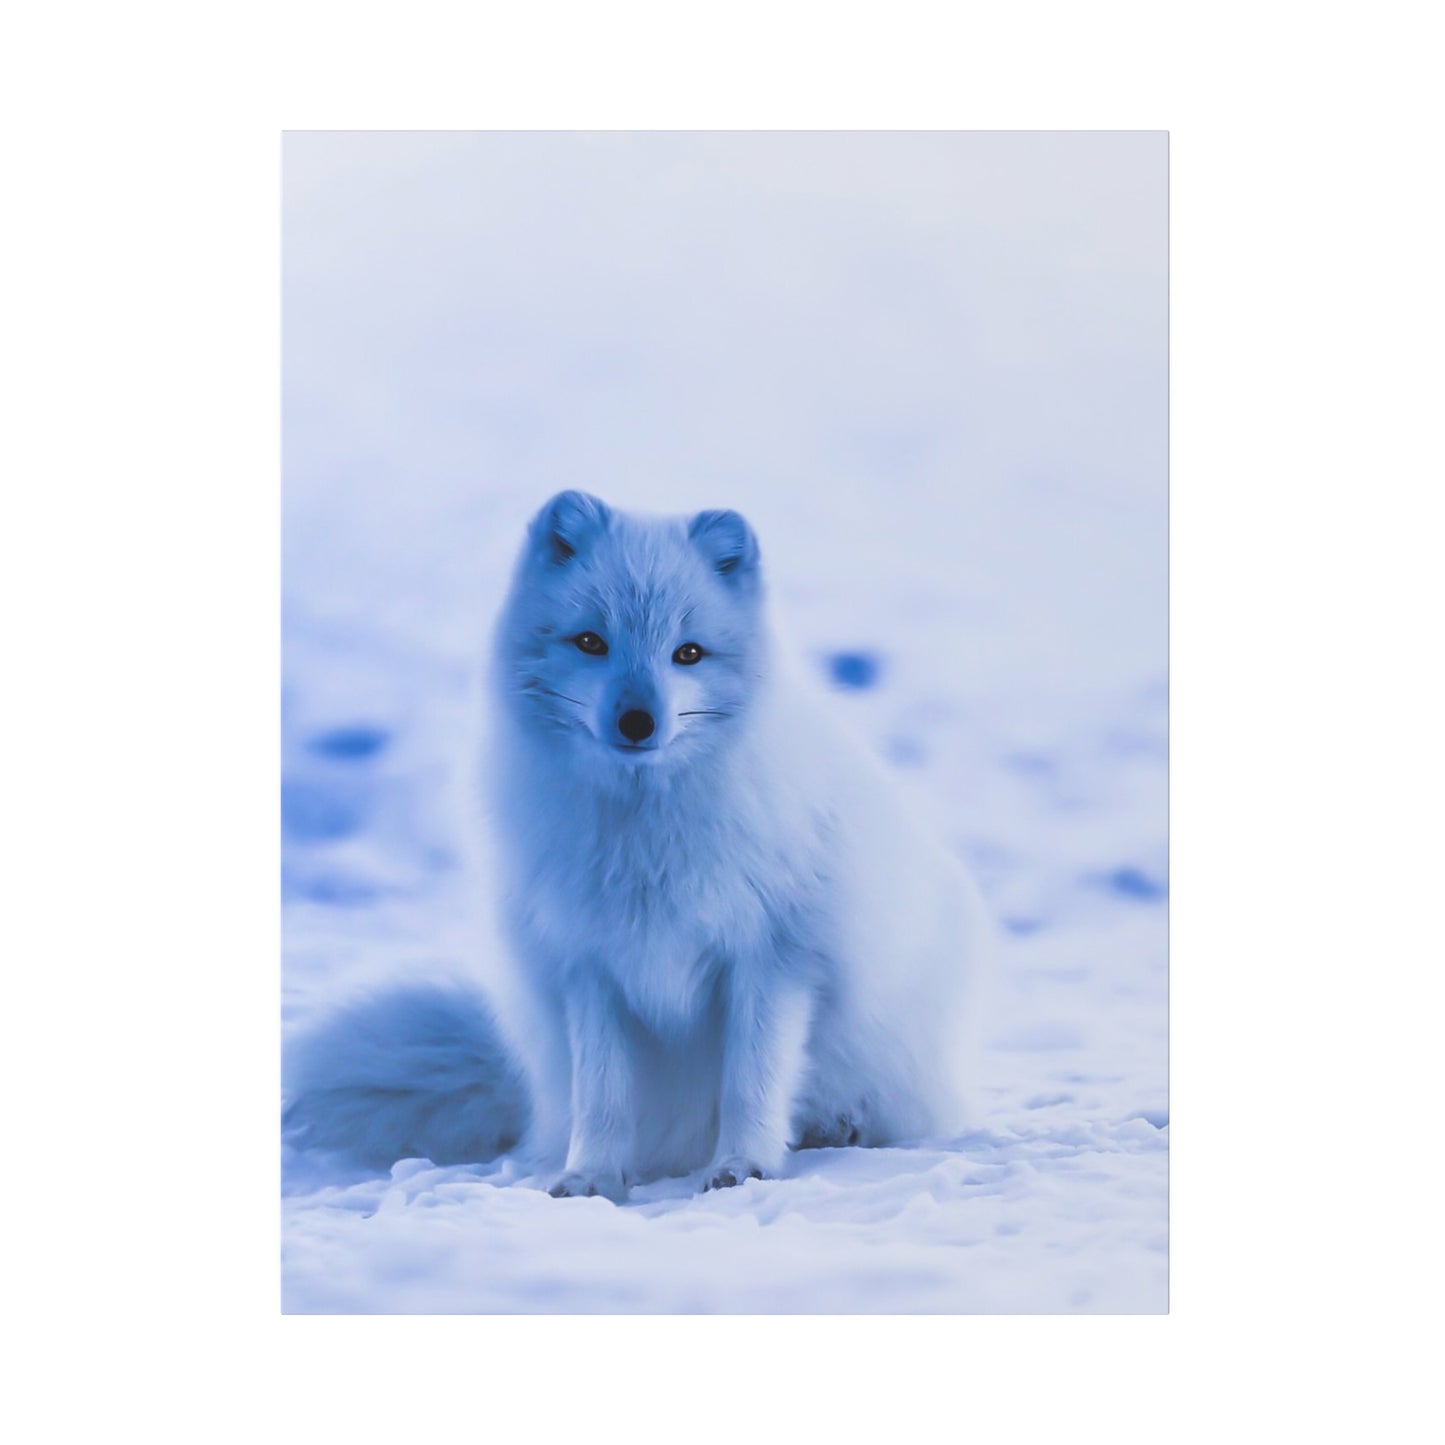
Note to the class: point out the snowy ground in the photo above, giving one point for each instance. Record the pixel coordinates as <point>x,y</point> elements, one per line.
<point>930,370</point>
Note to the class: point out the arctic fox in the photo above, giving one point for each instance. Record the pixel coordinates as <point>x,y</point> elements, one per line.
<point>729,936</point>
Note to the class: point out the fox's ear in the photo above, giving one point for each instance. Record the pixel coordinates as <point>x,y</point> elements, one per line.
<point>727,541</point>
<point>567,525</point>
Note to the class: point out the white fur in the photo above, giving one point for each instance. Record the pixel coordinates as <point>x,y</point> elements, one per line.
<point>738,939</point>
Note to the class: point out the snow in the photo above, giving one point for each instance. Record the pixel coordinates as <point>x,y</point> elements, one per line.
<point>930,369</point>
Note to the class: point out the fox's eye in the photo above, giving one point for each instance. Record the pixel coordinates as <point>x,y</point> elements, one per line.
<point>687,654</point>
<point>590,642</point>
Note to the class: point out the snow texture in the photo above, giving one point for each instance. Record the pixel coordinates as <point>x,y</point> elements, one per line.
<point>931,371</point>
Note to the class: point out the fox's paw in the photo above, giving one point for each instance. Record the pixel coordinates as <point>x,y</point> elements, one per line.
<point>835,1133</point>
<point>582,1185</point>
<point>728,1172</point>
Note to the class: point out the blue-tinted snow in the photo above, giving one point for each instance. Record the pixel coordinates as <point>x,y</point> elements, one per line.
<point>855,671</point>
<point>931,371</point>
<point>352,742</point>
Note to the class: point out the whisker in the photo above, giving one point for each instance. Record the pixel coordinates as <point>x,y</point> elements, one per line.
<point>551,693</point>
<point>704,712</point>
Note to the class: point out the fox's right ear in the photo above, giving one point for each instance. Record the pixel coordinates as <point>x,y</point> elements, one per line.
<point>567,525</point>
<point>727,542</point>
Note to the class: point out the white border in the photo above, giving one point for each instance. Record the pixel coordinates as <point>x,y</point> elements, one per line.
<point>141,585</point>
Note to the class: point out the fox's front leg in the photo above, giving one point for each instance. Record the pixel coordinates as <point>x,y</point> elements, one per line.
<point>764,1047</point>
<point>602,1093</point>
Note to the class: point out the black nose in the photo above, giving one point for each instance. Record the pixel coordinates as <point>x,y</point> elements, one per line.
<point>636,725</point>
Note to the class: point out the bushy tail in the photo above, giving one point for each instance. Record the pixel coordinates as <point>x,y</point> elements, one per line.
<point>416,1072</point>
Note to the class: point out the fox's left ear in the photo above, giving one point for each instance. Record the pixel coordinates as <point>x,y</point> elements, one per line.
<point>727,541</point>
<point>567,525</point>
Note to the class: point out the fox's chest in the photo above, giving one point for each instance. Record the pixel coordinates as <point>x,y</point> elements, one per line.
<point>663,917</point>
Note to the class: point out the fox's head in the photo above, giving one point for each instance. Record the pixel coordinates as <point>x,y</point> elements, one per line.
<point>637,637</point>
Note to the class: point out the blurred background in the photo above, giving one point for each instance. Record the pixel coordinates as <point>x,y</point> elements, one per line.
<point>931,369</point>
